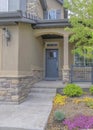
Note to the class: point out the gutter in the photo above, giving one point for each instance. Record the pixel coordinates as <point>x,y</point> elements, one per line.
<point>51,23</point>
<point>15,17</point>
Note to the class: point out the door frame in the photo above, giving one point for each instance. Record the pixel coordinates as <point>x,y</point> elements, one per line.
<point>46,63</point>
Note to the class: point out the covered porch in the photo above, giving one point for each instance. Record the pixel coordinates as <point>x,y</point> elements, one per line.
<point>57,55</point>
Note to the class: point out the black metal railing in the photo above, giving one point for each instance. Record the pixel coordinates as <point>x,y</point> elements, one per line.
<point>81,73</point>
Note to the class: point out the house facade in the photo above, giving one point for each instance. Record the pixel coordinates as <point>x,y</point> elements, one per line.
<point>34,46</point>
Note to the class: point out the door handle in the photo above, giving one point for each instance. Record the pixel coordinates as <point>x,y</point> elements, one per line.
<point>57,65</point>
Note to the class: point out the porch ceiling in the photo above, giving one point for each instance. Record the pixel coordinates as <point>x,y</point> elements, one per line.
<point>51,36</point>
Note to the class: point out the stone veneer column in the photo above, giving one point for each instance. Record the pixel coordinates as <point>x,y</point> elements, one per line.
<point>65,69</point>
<point>33,8</point>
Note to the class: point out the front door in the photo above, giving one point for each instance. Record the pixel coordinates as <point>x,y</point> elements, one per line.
<point>52,63</point>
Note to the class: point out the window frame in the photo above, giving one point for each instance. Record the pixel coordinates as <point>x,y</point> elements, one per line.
<point>55,12</point>
<point>85,62</point>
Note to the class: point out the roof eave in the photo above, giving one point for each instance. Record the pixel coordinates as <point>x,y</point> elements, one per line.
<point>14,17</point>
<point>60,1</point>
<point>50,24</point>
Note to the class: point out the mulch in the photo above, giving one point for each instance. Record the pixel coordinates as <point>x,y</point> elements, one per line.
<point>70,109</point>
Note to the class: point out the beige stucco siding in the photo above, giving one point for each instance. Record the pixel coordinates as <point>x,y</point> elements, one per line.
<point>30,50</point>
<point>9,54</point>
<point>53,4</point>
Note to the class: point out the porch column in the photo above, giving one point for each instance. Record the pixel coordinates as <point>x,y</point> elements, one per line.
<point>65,70</point>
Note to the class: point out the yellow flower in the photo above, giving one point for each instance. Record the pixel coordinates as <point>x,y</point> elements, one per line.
<point>59,99</point>
<point>85,99</point>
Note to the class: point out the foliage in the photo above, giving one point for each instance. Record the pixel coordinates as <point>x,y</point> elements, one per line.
<point>59,115</point>
<point>72,90</point>
<point>59,99</point>
<point>90,104</point>
<point>85,99</point>
<point>91,89</point>
<point>81,19</point>
<point>79,121</point>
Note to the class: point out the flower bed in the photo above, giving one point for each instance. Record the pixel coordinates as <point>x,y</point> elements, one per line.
<point>78,113</point>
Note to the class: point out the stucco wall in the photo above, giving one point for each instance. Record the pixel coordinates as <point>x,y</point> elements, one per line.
<point>53,4</point>
<point>30,51</point>
<point>9,54</point>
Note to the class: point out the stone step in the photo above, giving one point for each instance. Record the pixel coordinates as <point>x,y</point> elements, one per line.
<point>43,90</point>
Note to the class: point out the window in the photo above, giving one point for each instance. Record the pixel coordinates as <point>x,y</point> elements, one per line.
<point>52,55</point>
<point>82,61</point>
<point>12,5</point>
<point>53,14</point>
<point>3,5</point>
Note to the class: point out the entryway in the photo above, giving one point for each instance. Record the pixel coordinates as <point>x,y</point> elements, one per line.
<point>51,64</point>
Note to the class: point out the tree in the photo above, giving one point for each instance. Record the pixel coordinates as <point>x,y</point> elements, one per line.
<point>81,19</point>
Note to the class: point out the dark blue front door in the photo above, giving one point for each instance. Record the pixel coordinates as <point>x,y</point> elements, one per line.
<point>51,63</point>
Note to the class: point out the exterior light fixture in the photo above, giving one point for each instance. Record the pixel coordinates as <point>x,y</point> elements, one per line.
<point>7,35</point>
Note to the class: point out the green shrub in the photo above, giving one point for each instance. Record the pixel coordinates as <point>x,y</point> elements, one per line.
<point>59,115</point>
<point>91,89</point>
<point>72,90</point>
<point>90,104</point>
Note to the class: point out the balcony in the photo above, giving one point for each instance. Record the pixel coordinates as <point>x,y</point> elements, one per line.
<point>12,5</point>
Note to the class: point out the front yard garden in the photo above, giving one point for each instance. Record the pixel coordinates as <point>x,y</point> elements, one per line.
<point>72,109</point>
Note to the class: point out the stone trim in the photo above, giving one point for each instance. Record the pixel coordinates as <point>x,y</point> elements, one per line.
<point>15,90</point>
<point>66,75</point>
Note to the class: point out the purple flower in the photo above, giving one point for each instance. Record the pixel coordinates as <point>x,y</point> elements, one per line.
<point>80,122</point>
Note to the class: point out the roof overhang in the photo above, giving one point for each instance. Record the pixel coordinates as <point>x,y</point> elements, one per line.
<point>7,18</point>
<point>51,23</point>
<point>44,4</point>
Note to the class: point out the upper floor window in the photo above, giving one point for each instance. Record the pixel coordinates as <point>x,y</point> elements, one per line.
<point>52,14</point>
<point>3,5</point>
<point>12,5</point>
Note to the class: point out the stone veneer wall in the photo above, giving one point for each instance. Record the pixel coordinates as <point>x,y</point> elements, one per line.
<point>16,90</point>
<point>66,75</point>
<point>34,8</point>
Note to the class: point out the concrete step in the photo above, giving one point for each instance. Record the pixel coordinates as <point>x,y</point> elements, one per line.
<point>43,90</point>
<point>7,128</point>
<point>42,95</point>
<point>49,84</point>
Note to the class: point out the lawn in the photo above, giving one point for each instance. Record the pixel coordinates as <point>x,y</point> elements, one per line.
<point>72,112</point>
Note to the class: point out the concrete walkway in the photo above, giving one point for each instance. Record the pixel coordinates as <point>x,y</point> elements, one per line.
<point>34,112</point>
<point>30,115</point>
